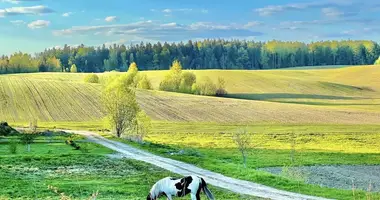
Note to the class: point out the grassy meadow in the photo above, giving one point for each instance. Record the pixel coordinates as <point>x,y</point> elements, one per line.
<point>296,117</point>
<point>78,174</point>
<point>211,146</point>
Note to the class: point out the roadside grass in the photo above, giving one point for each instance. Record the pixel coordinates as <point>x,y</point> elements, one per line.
<point>210,146</point>
<point>27,175</point>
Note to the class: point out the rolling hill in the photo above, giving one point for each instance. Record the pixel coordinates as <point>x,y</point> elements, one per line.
<point>344,96</point>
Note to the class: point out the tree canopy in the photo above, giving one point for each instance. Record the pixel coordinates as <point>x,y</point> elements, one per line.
<point>206,54</point>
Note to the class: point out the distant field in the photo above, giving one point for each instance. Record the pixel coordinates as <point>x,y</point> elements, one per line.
<point>318,67</point>
<point>334,96</point>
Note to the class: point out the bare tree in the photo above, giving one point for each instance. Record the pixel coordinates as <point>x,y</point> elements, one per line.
<point>243,141</point>
<point>33,126</point>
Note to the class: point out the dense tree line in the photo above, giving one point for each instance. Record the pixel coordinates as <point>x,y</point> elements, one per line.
<point>207,54</point>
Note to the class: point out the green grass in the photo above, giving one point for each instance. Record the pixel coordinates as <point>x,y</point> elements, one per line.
<point>27,175</point>
<point>211,146</point>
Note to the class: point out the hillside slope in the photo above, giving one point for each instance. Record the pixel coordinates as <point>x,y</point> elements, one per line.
<point>346,96</point>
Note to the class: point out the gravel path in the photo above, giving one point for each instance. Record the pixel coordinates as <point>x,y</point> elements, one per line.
<point>339,176</point>
<point>216,179</point>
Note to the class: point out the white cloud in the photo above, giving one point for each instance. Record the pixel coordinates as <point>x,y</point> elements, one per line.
<point>110,18</point>
<point>253,24</point>
<point>38,24</point>
<point>162,31</point>
<point>274,9</point>
<point>121,41</point>
<point>167,10</point>
<point>33,10</point>
<point>18,22</point>
<point>331,12</point>
<point>18,1</point>
<point>67,14</point>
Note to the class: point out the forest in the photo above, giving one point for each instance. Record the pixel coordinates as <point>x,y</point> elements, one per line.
<point>206,54</point>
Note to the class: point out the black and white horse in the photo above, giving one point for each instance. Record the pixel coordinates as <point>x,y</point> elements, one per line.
<point>170,187</point>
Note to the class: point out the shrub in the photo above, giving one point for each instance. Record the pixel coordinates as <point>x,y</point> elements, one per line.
<point>73,69</point>
<point>13,147</point>
<point>6,130</point>
<point>144,125</point>
<point>377,61</point>
<point>72,143</point>
<point>133,68</point>
<point>172,80</point>
<point>84,148</point>
<point>205,87</point>
<point>221,91</point>
<point>33,126</point>
<point>91,78</point>
<point>28,139</point>
<point>242,140</point>
<point>168,84</point>
<point>127,80</point>
<point>144,82</point>
<point>187,81</point>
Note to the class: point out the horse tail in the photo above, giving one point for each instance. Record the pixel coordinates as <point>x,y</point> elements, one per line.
<point>206,190</point>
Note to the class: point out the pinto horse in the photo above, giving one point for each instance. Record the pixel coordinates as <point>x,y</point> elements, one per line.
<point>170,187</point>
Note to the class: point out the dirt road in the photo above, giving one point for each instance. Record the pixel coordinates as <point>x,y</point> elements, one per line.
<point>216,179</point>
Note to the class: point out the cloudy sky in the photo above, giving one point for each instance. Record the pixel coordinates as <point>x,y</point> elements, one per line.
<point>33,25</point>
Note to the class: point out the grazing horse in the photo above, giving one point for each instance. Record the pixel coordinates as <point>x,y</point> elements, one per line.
<point>170,187</point>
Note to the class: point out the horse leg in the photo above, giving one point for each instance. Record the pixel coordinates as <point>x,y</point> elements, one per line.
<point>169,197</point>
<point>195,197</point>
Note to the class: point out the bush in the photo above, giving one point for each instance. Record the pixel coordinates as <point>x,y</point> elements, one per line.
<point>28,139</point>
<point>73,69</point>
<point>91,78</point>
<point>221,91</point>
<point>168,84</point>
<point>187,81</point>
<point>127,79</point>
<point>172,80</point>
<point>144,82</point>
<point>13,147</point>
<point>377,61</point>
<point>143,125</point>
<point>133,68</point>
<point>205,87</point>
<point>6,130</point>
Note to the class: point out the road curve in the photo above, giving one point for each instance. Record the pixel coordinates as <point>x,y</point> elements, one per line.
<point>216,179</point>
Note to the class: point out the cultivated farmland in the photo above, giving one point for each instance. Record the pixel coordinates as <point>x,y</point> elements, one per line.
<point>333,96</point>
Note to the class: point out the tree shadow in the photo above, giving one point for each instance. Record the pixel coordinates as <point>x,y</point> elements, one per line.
<point>270,96</point>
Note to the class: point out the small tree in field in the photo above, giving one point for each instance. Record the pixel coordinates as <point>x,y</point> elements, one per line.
<point>144,82</point>
<point>243,141</point>
<point>204,87</point>
<point>377,61</point>
<point>221,91</point>
<point>28,139</point>
<point>73,69</point>
<point>133,68</point>
<point>172,80</point>
<point>91,78</point>
<point>187,81</point>
<point>120,105</point>
<point>143,125</point>
<point>33,126</point>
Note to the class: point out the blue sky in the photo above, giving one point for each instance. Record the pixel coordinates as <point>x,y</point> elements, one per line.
<point>33,25</point>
